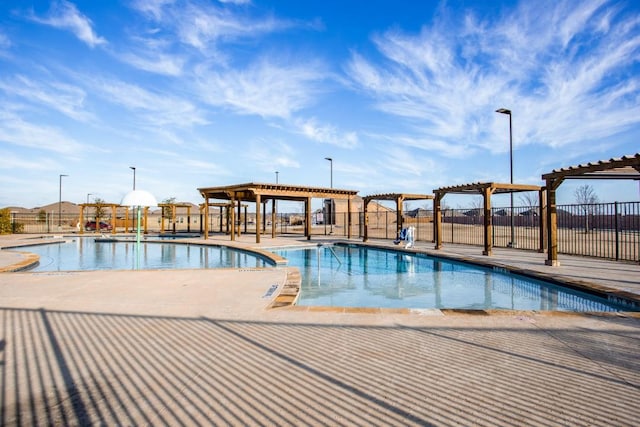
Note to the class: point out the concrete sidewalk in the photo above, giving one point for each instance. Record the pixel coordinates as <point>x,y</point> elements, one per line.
<point>201,347</point>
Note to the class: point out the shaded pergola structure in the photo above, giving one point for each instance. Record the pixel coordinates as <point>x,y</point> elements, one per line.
<point>114,209</point>
<point>485,189</point>
<point>627,167</point>
<point>173,207</point>
<point>225,212</point>
<point>399,198</point>
<point>260,193</point>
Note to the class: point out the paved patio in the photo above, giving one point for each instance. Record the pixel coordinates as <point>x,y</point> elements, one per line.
<point>196,347</point>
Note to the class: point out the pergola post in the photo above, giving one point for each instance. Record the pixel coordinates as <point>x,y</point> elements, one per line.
<point>307,218</point>
<point>437,223</point>
<point>146,213</point>
<point>232,208</point>
<point>114,215</point>
<point>365,210</point>
<point>552,223</point>
<point>80,224</point>
<point>273,218</point>
<point>398,215</point>
<point>258,218</point>
<point>488,232</point>
<point>206,217</point>
<point>542,217</point>
<point>349,218</point>
<point>173,218</point>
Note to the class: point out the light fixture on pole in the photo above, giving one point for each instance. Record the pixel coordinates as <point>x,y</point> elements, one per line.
<point>60,201</point>
<point>134,176</point>
<point>139,199</point>
<point>330,200</point>
<point>512,243</point>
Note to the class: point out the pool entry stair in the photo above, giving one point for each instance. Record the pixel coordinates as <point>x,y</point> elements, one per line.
<point>290,291</point>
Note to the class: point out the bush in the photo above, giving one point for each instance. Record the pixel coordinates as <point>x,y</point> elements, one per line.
<point>5,221</point>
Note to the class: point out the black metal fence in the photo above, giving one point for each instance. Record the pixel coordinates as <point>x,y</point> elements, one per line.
<point>604,230</point>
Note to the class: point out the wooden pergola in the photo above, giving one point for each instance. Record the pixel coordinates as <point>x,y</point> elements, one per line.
<point>173,208</point>
<point>260,193</point>
<point>486,189</point>
<point>114,209</point>
<point>399,198</point>
<point>226,207</point>
<point>627,167</point>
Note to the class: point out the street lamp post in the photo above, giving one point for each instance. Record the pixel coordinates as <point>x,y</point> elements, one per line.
<point>60,201</point>
<point>134,176</point>
<point>512,243</point>
<point>330,200</point>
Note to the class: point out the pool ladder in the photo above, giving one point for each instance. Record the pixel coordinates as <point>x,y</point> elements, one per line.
<point>330,247</point>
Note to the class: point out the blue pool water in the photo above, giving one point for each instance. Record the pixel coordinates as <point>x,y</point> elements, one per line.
<point>356,276</point>
<point>87,254</point>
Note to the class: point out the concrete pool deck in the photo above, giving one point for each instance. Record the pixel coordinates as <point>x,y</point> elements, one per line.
<point>196,347</point>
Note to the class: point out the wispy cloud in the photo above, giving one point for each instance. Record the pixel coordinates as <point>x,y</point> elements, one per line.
<point>8,160</point>
<point>325,133</point>
<point>154,62</point>
<point>202,26</point>
<point>264,88</point>
<point>17,131</point>
<point>156,108</point>
<point>67,99</point>
<point>584,91</point>
<point>65,15</point>
<point>269,156</point>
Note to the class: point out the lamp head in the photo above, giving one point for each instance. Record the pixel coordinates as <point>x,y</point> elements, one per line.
<point>503,111</point>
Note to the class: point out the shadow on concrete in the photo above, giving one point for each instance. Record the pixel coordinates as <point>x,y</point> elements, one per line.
<point>79,368</point>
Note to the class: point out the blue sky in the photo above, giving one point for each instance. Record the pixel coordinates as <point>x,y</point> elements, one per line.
<point>401,94</point>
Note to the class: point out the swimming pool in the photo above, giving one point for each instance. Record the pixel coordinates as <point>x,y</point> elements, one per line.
<point>89,254</point>
<point>358,276</point>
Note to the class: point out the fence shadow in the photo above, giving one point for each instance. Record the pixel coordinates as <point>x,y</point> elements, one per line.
<point>80,368</point>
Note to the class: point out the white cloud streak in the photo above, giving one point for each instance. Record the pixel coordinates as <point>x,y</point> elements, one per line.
<point>564,70</point>
<point>158,109</point>
<point>264,88</point>
<point>62,97</point>
<point>64,15</point>
<point>17,131</point>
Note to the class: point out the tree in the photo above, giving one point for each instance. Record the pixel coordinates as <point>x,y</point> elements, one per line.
<point>587,199</point>
<point>166,210</point>
<point>5,221</point>
<point>530,200</point>
<point>100,210</point>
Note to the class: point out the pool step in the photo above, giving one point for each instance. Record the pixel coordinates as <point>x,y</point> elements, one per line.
<point>289,293</point>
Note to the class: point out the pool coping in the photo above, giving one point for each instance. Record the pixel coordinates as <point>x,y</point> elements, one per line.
<point>289,293</point>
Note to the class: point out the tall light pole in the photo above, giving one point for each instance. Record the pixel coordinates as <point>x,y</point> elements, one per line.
<point>512,243</point>
<point>60,201</point>
<point>277,176</point>
<point>330,200</point>
<point>134,176</point>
